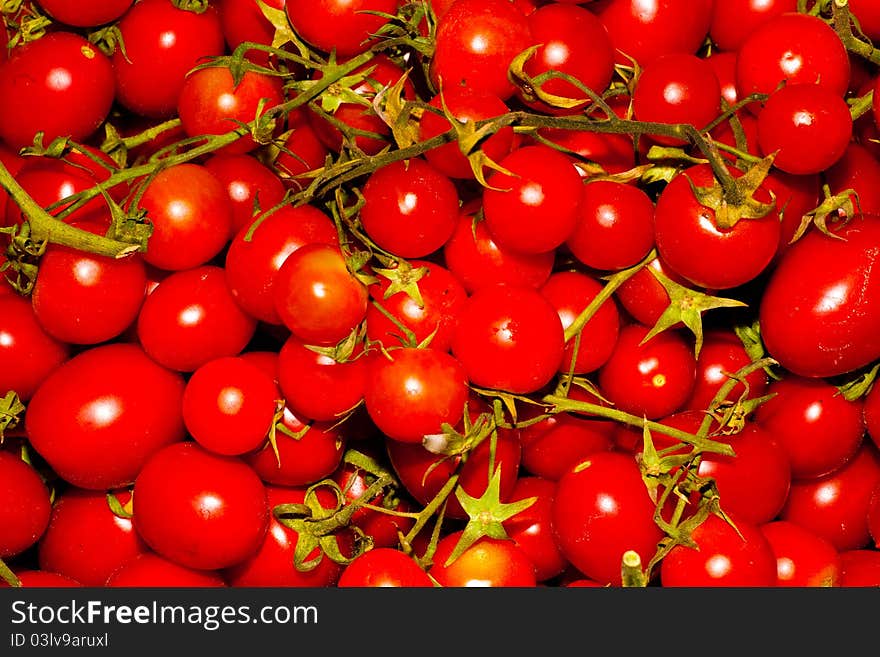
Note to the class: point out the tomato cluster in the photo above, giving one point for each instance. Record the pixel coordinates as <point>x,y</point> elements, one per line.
<point>505,293</point>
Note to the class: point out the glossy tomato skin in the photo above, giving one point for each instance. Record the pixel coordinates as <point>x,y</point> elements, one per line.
<point>476,40</point>
<point>836,506</point>
<point>571,292</point>
<point>414,391</point>
<point>95,421</point>
<point>28,354</point>
<point>25,507</point>
<point>653,379</point>
<point>162,44</point>
<point>552,447</point>
<point>477,260</point>
<point>727,556</point>
<point>410,208</point>
<point>857,170</point>
<point>531,529</point>
<point>85,539</point>
<point>383,567</point>
<point>871,414</point>
<point>317,297</point>
<point>255,256</point>
<point>92,14</point>
<point>544,190</point>
<point>510,338</point>
<point>643,297</point>
<point>63,87</point>
<point>85,299</point>
<point>692,243</point>
<point>198,509</point>
<point>353,24</point>
<point>802,557</point>
<point>819,429</point>
<point>149,570</point>
<point>807,126</point>
<point>602,509</point>
<point>191,318</point>
<point>249,185</point>
<point>734,20</point>
<point>490,562</point>
<point>244,21</point>
<point>860,567</point>
<point>818,312</point>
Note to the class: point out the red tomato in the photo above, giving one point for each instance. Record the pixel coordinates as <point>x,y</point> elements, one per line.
<point>643,297</point>
<point>860,568</point>
<point>874,517</point>
<point>510,338</point>
<point>198,509</point>
<point>28,354</point>
<point>317,297</point>
<point>244,21</point>
<point>162,44</point>
<point>802,557</point>
<point>413,391</point>
<point>817,311</point>
<point>870,414</point>
<point>250,185</point>
<point>795,196</point>
<point>816,426</point>
<point>543,189</point>
<point>653,379</point>
<point>602,509</point>
<point>836,506</point>
<point>733,21</point>
<point>490,562</point>
<point>191,318</point>
<point>531,529</point>
<point>41,579</point>
<point>229,405</point>
<point>92,14</point>
<point>866,12</point>
<point>615,228</point>
<point>570,292</point>
<point>25,506</point>
<point>95,421</point>
<point>383,567</point>
<point>211,102</point>
<point>859,170</point>
<point>63,87</point>
<point>191,216</point>
<point>85,540</point>
<point>410,208</point>
<point>726,556</point>
<point>149,570</point>
<point>551,447</point>
<point>475,42</point>
<point>477,260</point>
<point>354,23</point>
<point>807,125</point>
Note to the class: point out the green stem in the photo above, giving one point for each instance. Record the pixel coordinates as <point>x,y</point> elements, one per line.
<point>842,23</point>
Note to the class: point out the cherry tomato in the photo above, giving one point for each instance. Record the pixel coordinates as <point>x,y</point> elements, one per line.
<point>531,529</point>
<point>354,23</point>
<point>385,567</point>
<point>191,318</point>
<point>99,417</point>
<point>244,21</point>
<point>734,20</point>
<point>510,338</point>
<point>149,570</point>
<point>870,414</point>
<point>25,507</point>
<point>551,447</point>
<point>250,185</point>
<point>92,14</point>
<point>41,579</point>
<point>198,509</point>
<point>643,297</point>
<point>802,557</point>
<point>489,562</point>
<point>860,568</point>
<point>602,509</point>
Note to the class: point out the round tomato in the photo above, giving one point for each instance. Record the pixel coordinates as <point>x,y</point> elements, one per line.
<point>250,185</point>
<point>489,562</point>
<point>25,506</point>
<point>734,20</point>
<point>802,557</point>
<point>355,22</point>
<point>531,529</point>
<point>384,567</point>
<point>148,570</point>
<point>91,14</point>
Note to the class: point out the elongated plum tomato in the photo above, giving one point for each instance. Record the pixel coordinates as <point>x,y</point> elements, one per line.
<point>819,311</point>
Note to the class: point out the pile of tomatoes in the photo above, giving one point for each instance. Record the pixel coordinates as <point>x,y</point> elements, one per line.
<point>505,293</point>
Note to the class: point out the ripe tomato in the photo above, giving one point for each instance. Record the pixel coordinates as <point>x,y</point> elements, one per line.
<point>162,44</point>
<point>410,208</point>
<point>734,20</point>
<point>477,260</point>
<point>870,414</point>
<point>229,405</point>
<point>615,227</point>
<point>41,579</point>
<point>543,189</point>
<point>475,42</point>
<point>859,170</point>
<point>653,379</point>
<point>28,354</point>
<point>148,570</point>
<point>244,21</point>
<point>80,298</point>
<point>85,540</point>
<point>551,447</point>
<point>211,102</point>
<point>25,506</point>
<point>571,292</point>
<point>413,391</point>
<point>317,297</point>
<point>802,557</point>
<point>355,22</point>
<point>602,509</point>
<point>191,318</point>
<point>531,529</point>
<point>63,87</point>
<point>198,509</point>
<point>92,14</point>
<point>643,297</point>
<point>510,338</point>
<point>385,567</point>
<point>860,568</point>
<point>250,185</point>
<point>807,125</point>
<point>818,428</point>
<point>94,419</point>
<point>817,311</point>
<point>490,562</point>
<point>738,556</point>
